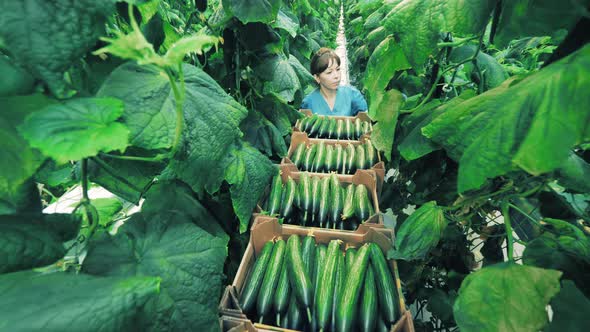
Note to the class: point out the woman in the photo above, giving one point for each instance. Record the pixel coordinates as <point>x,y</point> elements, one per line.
<point>330,98</point>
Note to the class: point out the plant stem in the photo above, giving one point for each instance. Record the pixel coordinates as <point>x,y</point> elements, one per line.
<point>85,179</point>
<point>134,158</point>
<point>509,237</point>
<point>480,85</point>
<point>179,99</point>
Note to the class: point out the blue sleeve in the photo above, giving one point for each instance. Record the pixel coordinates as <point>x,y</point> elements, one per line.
<point>358,102</point>
<point>306,103</point>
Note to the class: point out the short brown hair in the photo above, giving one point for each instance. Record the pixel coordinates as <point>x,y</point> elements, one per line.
<point>321,59</point>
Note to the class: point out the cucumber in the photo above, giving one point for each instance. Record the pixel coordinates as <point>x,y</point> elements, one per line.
<point>358,128</point>
<point>315,197</point>
<point>366,127</point>
<point>309,157</point>
<point>320,158</point>
<point>310,122</point>
<point>320,259</point>
<point>308,254</point>
<point>338,287</point>
<point>271,278</point>
<point>313,132</point>
<point>252,286</point>
<point>350,255</point>
<point>348,208</point>
<point>323,131</point>
<point>343,167</point>
<point>348,128</point>
<point>368,313</point>
<point>336,198</point>
<point>345,315</point>
<point>281,297</point>
<point>350,159</point>
<point>294,315</point>
<point>324,201</point>
<point>298,277</point>
<point>332,128</point>
<point>329,158</point>
<point>382,326</point>
<point>298,154</point>
<point>338,158</point>
<point>288,198</point>
<point>325,295</point>
<point>360,158</point>
<point>305,196</point>
<point>385,284</point>
<point>276,192</point>
<point>370,154</point>
<point>340,129</point>
<point>361,201</point>
<point>300,124</point>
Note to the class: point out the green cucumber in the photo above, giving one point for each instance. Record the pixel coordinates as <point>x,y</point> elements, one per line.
<point>294,315</point>
<point>350,255</point>
<point>276,193</point>
<point>382,326</point>
<point>308,254</point>
<point>281,297</point>
<point>338,287</point>
<point>343,167</point>
<point>345,315</point>
<point>309,157</point>
<point>309,123</point>
<point>315,197</point>
<point>348,209</point>
<point>324,202</point>
<point>298,154</point>
<point>320,158</point>
<point>338,158</point>
<point>370,154</point>
<point>325,296</point>
<point>350,158</point>
<point>366,127</point>
<point>332,128</point>
<point>323,131</point>
<point>329,158</point>
<point>340,129</point>
<point>368,313</point>
<point>358,128</point>
<point>385,284</point>
<point>320,259</point>
<point>313,132</point>
<point>360,158</point>
<point>288,198</point>
<point>305,196</point>
<point>349,130</point>
<point>271,278</point>
<point>361,201</point>
<point>252,286</point>
<point>336,199</point>
<point>298,277</point>
<point>300,124</point>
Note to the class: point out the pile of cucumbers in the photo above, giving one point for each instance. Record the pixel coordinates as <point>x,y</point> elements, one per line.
<point>344,159</point>
<point>299,285</point>
<point>320,126</point>
<point>319,202</point>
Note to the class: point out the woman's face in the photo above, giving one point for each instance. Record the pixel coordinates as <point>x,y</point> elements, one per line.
<point>329,78</point>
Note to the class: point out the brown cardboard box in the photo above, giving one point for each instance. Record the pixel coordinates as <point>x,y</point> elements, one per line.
<point>366,177</point>
<point>302,138</point>
<point>363,116</point>
<point>267,228</point>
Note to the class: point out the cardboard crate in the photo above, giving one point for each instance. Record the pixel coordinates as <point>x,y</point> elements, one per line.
<point>366,177</point>
<point>302,138</point>
<point>363,116</point>
<point>267,228</point>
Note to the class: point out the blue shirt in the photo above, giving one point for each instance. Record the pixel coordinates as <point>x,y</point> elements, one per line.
<point>349,101</point>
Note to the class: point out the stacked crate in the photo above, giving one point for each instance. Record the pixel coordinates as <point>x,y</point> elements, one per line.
<point>295,218</point>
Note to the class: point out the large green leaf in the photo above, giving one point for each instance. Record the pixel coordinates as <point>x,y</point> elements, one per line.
<point>280,77</point>
<point>72,302</point>
<point>248,174</point>
<point>385,110</point>
<point>263,135</point>
<point>264,11</point>
<point>570,310</point>
<point>48,36</point>
<point>531,123</point>
<point>574,174</point>
<point>419,233</point>
<point>287,21</point>
<point>493,73</point>
<point>506,297</point>
<point>77,128</point>
<point>18,160</point>
<point>418,24</point>
<point>175,238</point>
<point>522,18</point>
<point>28,241</point>
<point>387,58</point>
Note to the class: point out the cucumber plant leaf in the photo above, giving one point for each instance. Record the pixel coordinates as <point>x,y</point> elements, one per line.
<point>77,128</point>
<point>280,77</point>
<point>385,110</point>
<point>246,11</point>
<point>287,21</point>
<point>506,297</point>
<point>387,58</point>
<point>570,310</point>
